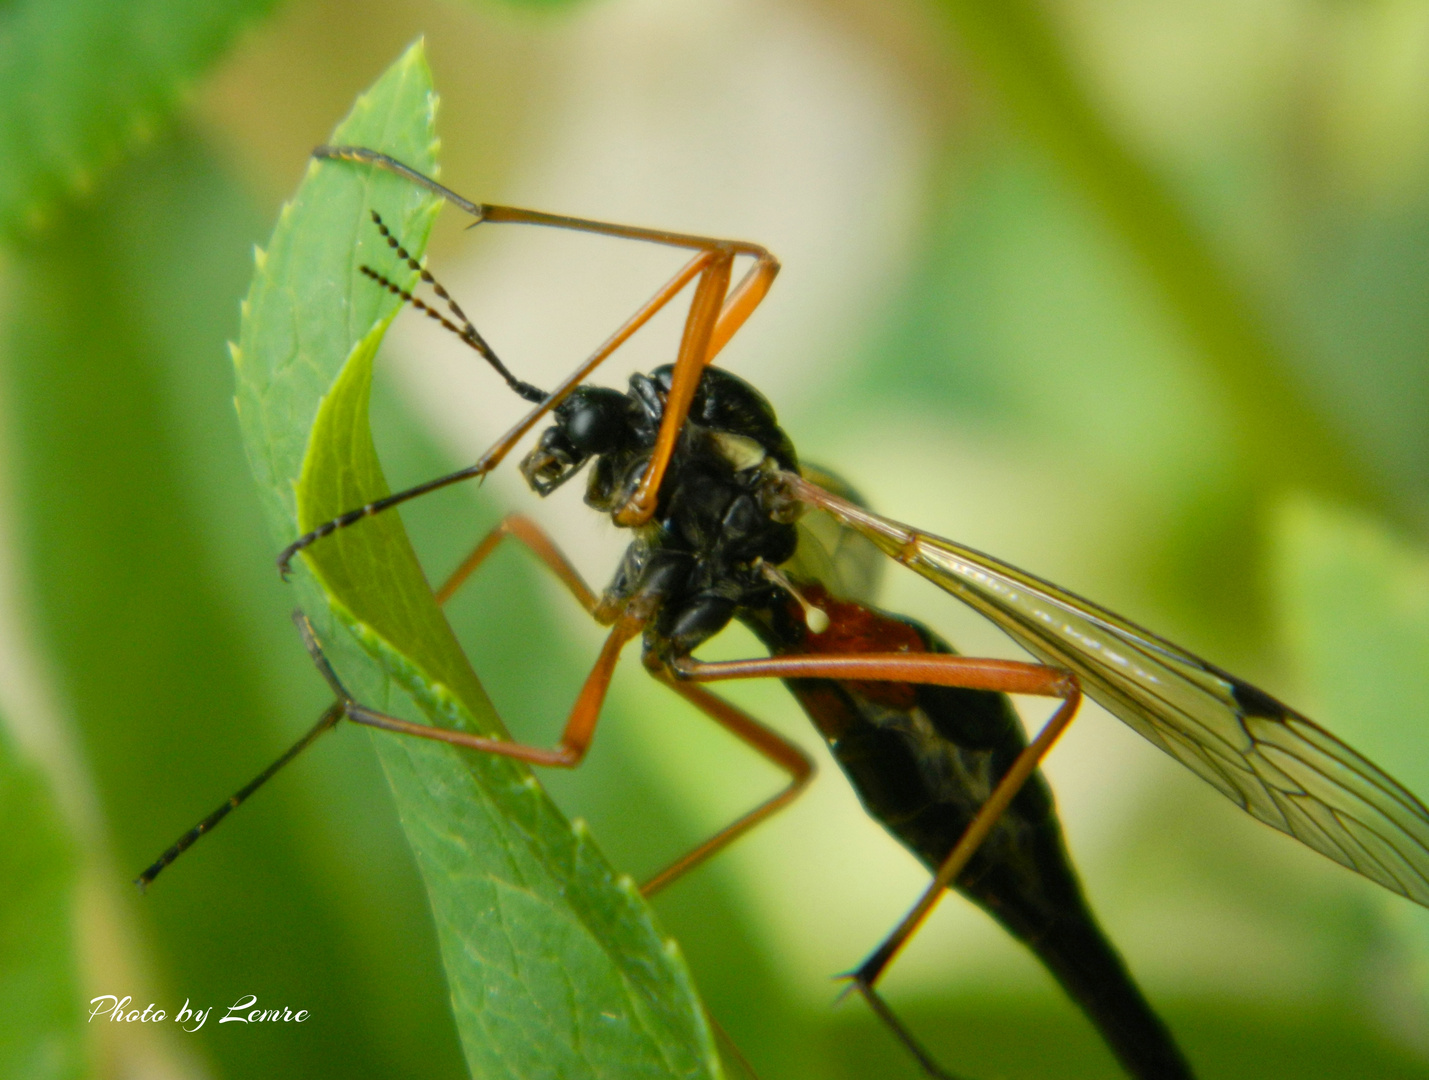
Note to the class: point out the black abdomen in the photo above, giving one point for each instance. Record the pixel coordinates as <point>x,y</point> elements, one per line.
<point>923,759</point>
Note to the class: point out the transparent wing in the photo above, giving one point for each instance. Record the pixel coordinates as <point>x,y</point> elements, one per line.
<point>1276,764</point>
<point>829,551</point>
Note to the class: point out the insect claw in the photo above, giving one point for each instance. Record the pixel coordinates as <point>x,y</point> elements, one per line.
<point>851,983</point>
<point>285,557</point>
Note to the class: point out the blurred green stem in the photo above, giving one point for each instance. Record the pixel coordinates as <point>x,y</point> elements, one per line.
<point>1284,439</point>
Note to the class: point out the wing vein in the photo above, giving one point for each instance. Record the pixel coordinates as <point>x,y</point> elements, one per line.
<point>1274,763</point>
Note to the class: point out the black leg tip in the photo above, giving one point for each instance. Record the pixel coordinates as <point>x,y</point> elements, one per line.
<point>868,972</point>
<point>850,984</point>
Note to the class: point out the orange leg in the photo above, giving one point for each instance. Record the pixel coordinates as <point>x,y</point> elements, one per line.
<point>520,527</point>
<point>1005,676</point>
<point>689,366</point>
<point>938,669</point>
<point>716,314</point>
<point>575,738</point>
<point>772,746</point>
<point>486,212</point>
<point>580,725</point>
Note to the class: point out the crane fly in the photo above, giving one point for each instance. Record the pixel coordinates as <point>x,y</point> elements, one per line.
<point>728,525</point>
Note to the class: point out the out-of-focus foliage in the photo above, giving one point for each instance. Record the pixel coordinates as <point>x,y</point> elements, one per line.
<point>83,82</point>
<point>1353,603</point>
<point>40,1015</point>
<point>1102,287</point>
<point>1016,47</point>
<point>141,591</point>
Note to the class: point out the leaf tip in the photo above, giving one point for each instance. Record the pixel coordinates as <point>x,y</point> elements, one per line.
<point>626,884</point>
<point>235,353</point>
<point>260,257</point>
<point>416,54</point>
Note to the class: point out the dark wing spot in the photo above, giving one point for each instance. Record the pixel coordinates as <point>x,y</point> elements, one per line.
<point>1256,702</point>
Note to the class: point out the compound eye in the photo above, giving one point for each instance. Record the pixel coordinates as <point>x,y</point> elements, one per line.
<point>590,429</point>
<point>595,420</point>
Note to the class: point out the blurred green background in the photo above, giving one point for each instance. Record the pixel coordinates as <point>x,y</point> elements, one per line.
<point>1133,295</point>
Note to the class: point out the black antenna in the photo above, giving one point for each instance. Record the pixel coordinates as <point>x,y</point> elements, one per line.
<point>466,331</point>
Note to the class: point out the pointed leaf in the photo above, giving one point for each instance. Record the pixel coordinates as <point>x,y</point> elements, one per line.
<point>555,965</point>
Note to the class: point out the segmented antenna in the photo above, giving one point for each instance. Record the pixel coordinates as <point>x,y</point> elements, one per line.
<point>466,331</point>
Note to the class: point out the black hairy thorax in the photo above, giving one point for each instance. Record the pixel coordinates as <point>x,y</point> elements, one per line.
<point>717,522</point>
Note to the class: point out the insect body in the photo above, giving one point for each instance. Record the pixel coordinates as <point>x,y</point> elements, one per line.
<point>727,526</point>
<point>924,759</point>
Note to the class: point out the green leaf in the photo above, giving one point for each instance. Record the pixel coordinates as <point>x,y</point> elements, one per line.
<point>555,966</point>
<point>81,81</point>
<point>163,630</point>
<point>41,1032</point>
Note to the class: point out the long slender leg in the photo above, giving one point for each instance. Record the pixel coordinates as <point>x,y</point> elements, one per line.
<point>521,528</point>
<point>331,715</point>
<point>1023,767</point>
<point>575,738</point>
<point>866,974</point>
<point>486,212</point>
<point>689,366</point>
<point>742,300</point>
<point>900,1031</point>
<point>1006,676</point>
<point>769,744</point>
<point>517,527</point>
<point>712,321</point>
<point>932,669</point>
<point>937,669</point>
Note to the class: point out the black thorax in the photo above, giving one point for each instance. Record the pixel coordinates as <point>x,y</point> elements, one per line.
<point>699,557</point>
